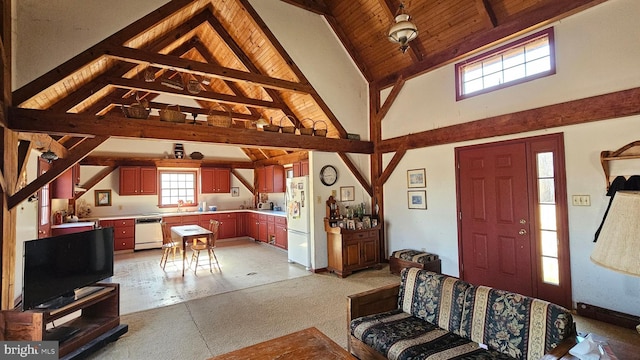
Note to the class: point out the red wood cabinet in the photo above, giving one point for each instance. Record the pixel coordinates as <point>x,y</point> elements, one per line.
<point>271,230</point>
<point>301,168</point>
<point>123,233</point>
<point>137,180</point>
<point>281,232</point>
<point>63,187</point>
<point>215,180</point>
<point>270,179</point>
<point>227,225</point>
<point>192,220</point>
<point>253,226</point>
<point>263,233</point>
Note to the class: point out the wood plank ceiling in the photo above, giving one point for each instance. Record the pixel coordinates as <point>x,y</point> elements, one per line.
<point>238,68</point>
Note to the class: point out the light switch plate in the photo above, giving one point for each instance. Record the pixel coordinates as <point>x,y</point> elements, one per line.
<point>581,200</point>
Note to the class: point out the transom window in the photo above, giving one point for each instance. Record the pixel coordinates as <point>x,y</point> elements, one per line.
<point>524,60</point>
<point>176,186</point>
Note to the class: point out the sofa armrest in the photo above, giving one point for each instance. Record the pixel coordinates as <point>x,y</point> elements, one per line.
<point>372,302</point>
<point>562,350</point>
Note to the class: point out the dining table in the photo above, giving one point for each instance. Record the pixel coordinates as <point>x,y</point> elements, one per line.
<point>188,233</point>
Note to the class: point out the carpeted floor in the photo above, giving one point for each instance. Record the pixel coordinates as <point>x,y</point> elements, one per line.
<point>201,328</point>
<point>257,296</point>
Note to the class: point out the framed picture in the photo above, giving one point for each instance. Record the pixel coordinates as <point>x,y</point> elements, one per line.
<point>103,197</point>
<point>417,199</point>
<point>351,224</point>
<point>416,178</point>
<point>347,193</point>
<point>374,222</point>
<point>366,222</point>
<point>235,191</point>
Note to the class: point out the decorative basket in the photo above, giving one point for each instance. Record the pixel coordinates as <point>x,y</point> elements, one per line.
<point>306,130</point>
<point>319,132</point>
<point>220,120</point>
<point>288,129</point>
<point>271,128</point>
<point>172,115</point>
<point>136,111</point>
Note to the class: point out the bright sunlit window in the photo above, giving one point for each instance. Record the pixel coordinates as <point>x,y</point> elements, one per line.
<point>176,186</point>
<point>524,60</point>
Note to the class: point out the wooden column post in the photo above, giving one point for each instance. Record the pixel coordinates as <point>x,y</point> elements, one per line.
<point>375,135</point>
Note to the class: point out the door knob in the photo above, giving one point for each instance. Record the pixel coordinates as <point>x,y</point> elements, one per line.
<point>522,232</point>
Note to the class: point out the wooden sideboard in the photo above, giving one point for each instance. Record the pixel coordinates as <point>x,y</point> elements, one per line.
<point>351,250</point>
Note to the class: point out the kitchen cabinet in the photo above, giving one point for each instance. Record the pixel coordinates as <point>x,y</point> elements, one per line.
<point>270,179</point>
<point>253,226</point>
<point>301,168</point>
<point>351,250</point>
<point>271,230</point>
<point>227,225</point>
<point>138,180</point>
<point>242,220</point>
<point>123,233</point>
<point>215,180</point>
<point>63,187</point>
<point>263,234</point>
<point>281,232</point>
<point>192,220</point>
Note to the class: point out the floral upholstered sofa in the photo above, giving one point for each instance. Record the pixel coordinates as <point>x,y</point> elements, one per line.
<point>435,316</point>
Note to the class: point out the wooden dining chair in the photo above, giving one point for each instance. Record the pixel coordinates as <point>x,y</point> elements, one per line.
<point>209,244</point>
<point>168,245</point>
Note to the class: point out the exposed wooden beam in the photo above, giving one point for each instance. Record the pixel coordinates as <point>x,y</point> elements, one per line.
<point>357,58</point>
<point>392,165</point>
<point>95,179</point>
<point>44,141</point>
<point>525,21</point>
<point>186,109</point>
<point>113,160</point>
<point>121,38</point>
<point>120,69</point>
<point>284,159</point>
<point>356,172</point>
<point>486,13</point>
<point>59,167</point>
<point>395,91</point>
<point>244,181</point>
<point>316,6</point>
<point>157,87</point>
<point>24,149</point>
<point>140,56</point>
<point>31,120</point>
<point>601,107</point>
<point>292,65</point>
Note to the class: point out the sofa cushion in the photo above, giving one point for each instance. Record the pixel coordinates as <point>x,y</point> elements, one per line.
<point>415,256</point>
<point>514,324</point>
<point>398,336</point>
<point>435,298</point>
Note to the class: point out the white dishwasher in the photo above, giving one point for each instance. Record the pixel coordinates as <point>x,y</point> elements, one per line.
<point>148,233</point>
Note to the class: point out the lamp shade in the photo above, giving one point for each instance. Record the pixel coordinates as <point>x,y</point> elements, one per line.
<point>618,245</point>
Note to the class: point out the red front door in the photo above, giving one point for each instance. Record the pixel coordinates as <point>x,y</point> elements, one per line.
<point>494,216</point>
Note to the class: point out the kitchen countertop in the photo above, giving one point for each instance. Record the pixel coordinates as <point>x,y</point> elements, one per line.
<point>84,222</point>
<point>161,214</point>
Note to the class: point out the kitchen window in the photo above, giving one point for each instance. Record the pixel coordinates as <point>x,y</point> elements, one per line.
<point>524,60</point>
<point>176,186</point>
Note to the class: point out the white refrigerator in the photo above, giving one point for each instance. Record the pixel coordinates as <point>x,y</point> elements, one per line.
<point>298,215</point>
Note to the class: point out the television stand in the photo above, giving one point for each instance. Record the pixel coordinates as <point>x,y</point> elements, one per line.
<point>100,316</point>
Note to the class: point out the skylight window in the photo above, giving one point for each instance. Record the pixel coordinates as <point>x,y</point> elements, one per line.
<point>526,59</point>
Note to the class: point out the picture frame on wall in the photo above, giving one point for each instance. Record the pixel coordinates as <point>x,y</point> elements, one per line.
<point>417,199</point>
<point>417,178</point>
<point>235,191</point>
<point>102,197</point>
<point>347,193</point>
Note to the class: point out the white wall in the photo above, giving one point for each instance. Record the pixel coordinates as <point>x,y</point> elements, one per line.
<point>596,53</point>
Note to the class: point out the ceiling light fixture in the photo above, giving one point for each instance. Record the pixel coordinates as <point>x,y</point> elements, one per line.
<point>403,30</point>
<point>49,156</point>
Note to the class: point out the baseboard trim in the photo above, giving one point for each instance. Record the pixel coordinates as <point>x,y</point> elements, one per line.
<point>608,316</point>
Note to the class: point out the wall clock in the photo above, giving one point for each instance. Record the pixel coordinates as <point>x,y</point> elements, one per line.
<point>328,175</point>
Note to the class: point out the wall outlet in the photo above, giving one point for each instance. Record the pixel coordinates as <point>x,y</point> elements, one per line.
<point>581,200</point>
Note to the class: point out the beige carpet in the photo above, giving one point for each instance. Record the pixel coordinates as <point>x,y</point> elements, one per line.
<point>201,328</point>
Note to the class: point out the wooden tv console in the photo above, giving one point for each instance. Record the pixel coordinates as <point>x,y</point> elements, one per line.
<point>100,314</point>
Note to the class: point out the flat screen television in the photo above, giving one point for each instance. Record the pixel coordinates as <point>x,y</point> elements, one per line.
<point>55,267</point>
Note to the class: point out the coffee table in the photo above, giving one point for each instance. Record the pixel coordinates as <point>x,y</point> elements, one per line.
<point>621,349</point>
<point>308,344</point>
